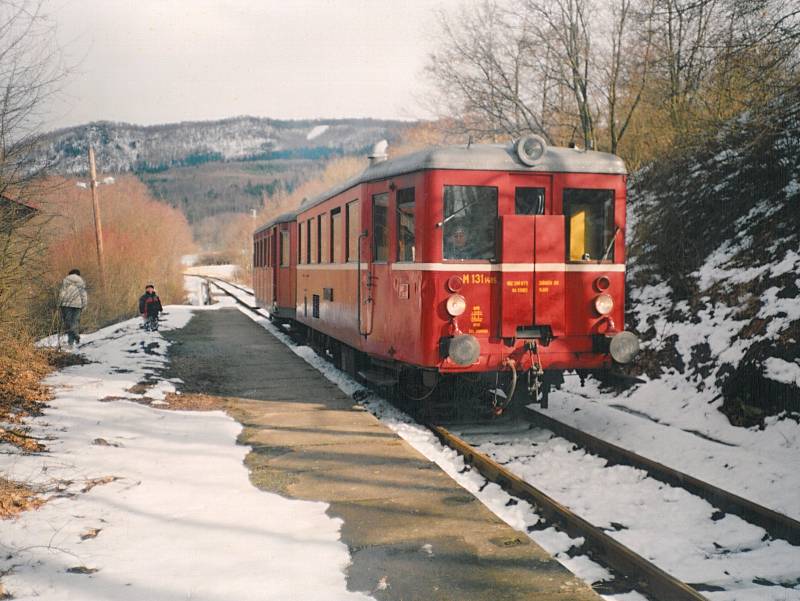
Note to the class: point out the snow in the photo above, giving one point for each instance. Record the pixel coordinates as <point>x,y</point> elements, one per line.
<point>317,131</point>
<point>637,510</point>
<point>229,272</point>
<point>782,371</point>
<point>180,519</point>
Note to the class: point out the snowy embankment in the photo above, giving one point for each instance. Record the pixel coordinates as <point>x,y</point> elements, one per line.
<point>149,503</point>
<point>714,277</point>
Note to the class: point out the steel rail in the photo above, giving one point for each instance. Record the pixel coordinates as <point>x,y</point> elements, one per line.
<point>215,282</point>
<point>237,286</point>
<point>776,524</point>
<point>637,571</point>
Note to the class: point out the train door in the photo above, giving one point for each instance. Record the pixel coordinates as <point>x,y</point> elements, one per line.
<point>531,288</point>
<point>376,278</point>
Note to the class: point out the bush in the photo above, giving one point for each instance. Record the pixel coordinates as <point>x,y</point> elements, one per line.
<point>144,241</point>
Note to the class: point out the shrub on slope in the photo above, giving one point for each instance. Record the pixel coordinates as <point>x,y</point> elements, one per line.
<point>714,273</point>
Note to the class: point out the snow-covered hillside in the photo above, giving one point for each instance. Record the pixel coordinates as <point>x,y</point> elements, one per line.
<point>126,147</point>
<point>714,268</point>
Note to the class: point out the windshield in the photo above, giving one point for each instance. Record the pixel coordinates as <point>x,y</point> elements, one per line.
<point>590,224</point>
<point>470,219</point>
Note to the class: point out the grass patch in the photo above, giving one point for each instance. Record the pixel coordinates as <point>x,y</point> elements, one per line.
<point>16,498</point>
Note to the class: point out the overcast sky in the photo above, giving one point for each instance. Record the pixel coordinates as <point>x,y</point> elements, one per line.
<point>159,61</point>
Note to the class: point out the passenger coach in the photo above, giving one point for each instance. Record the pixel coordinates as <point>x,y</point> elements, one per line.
<point>497,260</point>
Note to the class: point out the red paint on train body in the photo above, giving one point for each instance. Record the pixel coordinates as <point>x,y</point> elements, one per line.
<point>382,265</point>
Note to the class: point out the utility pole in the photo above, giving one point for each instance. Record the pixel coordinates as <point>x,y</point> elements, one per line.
<point>98,226</point>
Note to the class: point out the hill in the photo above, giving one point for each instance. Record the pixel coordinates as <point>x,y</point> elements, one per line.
<point>124,147</point>
<point>211,168</point>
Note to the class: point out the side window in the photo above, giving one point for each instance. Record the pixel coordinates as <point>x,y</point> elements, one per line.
<point>406,250</point>
<point>272,239</point>
<point>470,222</point>
<point>314,236</point>
<point>589,215</point>
<point>324,238</point>
<point>380,227</point>
<point>529,201</point>
<point>284,249</point>
<point>353,227</point>
<point>336,235</point>
<point>308,241</point>
<point>301,242</point>
<point>255,253</point>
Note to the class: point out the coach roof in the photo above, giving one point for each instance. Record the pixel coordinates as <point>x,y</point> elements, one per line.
<point>481,157</point>
<point>284,218</point>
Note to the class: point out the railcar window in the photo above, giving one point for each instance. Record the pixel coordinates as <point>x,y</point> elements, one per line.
<point>301,242</point>
<point>590,224</point>
<point>314,236</point>
<point>406,241</point>
<point>470,222</point>
<point>272,241</point>
<point>284,249</point>
<point>255,254</point>
<point>353,226</point>
<point>380,227</point>
<point>308,241</point>
<point>324,238</point>
<point>336,235</point>
<point>529,201</point>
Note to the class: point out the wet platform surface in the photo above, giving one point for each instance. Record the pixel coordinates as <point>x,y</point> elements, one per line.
<point>406,522</point>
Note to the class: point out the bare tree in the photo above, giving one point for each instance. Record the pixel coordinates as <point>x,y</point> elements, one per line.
<point>30,72</point>
<point>487,76</point>
<point>510,68</point>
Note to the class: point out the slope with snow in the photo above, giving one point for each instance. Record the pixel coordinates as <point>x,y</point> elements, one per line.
<point>714,268</point>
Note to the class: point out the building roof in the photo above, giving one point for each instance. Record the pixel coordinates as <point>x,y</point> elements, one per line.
<point>477,157</point>
<point>25,205</point>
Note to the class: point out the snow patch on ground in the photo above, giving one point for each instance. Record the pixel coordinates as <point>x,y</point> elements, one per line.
<point>173,515</point>
<point>678,531</point>
<point>228,272</point>
<point>782,371</point>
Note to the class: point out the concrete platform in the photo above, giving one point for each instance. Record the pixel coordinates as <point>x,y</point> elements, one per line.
<point>405,520</point>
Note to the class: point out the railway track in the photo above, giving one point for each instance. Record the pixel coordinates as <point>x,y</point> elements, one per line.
<point>630,570</point>
<point>633,569</point>
<point>776,524</point>
<point>224,285</point>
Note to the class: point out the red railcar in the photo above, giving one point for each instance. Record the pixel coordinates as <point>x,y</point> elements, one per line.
<point>464,259</point>
<point>274,266</point>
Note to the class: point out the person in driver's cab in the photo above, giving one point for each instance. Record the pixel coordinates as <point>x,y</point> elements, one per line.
<point>457,244</point>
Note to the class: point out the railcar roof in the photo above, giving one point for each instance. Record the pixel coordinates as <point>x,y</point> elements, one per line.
<point>477,157</point>
<point>283,218</point>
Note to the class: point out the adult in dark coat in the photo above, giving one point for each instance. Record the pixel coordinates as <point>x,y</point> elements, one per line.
<point>150,307</point>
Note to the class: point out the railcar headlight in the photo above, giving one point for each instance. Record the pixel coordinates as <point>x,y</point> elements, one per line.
<point>530,149</point>
<point>456,305</point>
<point>464,349</point>
<point>624,347</point>
<point>604,303</point>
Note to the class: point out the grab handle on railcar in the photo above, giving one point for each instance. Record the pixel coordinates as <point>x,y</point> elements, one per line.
<point>363,234</point>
